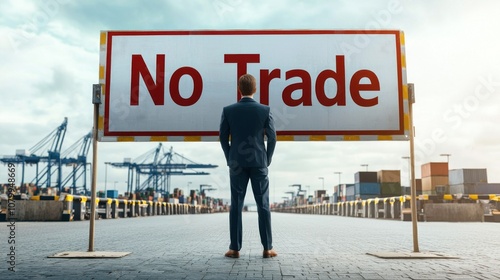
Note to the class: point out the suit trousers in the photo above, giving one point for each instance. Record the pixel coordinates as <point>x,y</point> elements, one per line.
<point>239,178</point>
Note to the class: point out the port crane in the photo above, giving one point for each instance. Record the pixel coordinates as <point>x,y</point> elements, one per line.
<point>152,170</point>
<point>76,157</point>
<point>48,151</point>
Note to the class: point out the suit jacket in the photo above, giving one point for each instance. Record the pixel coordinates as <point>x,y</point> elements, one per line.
<point>247,121</point>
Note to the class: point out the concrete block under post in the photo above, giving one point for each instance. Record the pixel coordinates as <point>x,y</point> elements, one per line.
<point>454,212</point>
<point>38,210</point>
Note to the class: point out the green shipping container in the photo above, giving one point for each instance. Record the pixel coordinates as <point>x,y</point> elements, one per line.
<point>390,189</point>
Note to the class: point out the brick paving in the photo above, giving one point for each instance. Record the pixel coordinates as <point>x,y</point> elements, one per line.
<point>309,247</point>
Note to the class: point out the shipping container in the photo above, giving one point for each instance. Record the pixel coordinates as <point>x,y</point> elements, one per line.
<point>430,183</point>
<point>367,188</point>
<point>389,176</point>
<point>343,189</point>
<point>390,189</point>
<point>365,196</point>
<point>365,177</point>
<point>407,191</point>
<point>457,189</point>
<point>319,193</point>
<point>22,152</point>
<point>442,189</point>
<point>350,198</point>
<point>466,176</point>
<point>350,190</point>
<point>434,169</point>
<point>438,190</point>
<point>336,189</point>
<point>111,193</point>
<point>487,188</point>
<point>475,188</point>
<point>418,183</point>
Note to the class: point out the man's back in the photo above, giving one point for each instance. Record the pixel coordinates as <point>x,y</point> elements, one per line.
<point>247,122</point>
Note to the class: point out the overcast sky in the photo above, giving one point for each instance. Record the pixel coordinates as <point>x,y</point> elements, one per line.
<point>50,56</point>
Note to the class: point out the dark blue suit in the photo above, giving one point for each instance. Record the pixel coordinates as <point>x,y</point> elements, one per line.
<point>246,122</point>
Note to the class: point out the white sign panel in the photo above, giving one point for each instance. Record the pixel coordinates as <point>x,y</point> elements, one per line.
<point>320,84</point>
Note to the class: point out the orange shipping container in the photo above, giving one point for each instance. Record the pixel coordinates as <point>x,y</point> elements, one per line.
<point>430,183</point>
<point>418,183</point>
<point>434,169</point>
<point>389,176</point>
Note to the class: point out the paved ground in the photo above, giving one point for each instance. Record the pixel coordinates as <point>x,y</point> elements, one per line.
<point>309,247</point>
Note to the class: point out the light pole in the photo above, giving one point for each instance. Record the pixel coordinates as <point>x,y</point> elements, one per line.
<point>365,165</point>
<point>447,158</point>
<point>105,178</point>
<point>409,171</point>
<point>323,181</point>
<point>338,189</point>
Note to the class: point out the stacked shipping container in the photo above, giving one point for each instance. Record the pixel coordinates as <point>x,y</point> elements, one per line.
<point>366,185</point>
<point>465,181</point>
<point>435,178</point>
<point>390,182</point>
<point>341,191</point>
<point>320,196</point>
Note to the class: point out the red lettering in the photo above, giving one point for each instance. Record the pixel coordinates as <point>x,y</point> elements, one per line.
<point>356,87</point>
<point>265,80</point>
<point>241,61</point>
<point>156,89</point>
<point>339,77</point>
<point>305,86</point>
<point>197,86</point>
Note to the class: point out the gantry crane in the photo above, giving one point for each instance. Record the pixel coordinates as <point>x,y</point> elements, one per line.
<point>292,200</point>
<point>76,157</point>
<point>158,166</point>
<point>47,150</point>
<point>299,190</point>
<point>205,187</point>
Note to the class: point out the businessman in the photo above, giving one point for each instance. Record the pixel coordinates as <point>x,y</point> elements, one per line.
<point>246,122</point>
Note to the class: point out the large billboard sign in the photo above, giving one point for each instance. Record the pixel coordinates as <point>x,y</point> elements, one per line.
<point>320,84</point>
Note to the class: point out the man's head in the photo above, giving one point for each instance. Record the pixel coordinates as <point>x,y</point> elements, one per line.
<point>247,85</point>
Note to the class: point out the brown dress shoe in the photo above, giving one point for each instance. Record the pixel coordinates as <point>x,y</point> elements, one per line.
<point>232,254</point>
<point>269,253</point>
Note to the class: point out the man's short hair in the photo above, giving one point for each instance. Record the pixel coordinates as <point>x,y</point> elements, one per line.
<point>247,84</point>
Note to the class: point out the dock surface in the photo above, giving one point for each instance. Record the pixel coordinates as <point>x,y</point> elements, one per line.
<point>308,246</point>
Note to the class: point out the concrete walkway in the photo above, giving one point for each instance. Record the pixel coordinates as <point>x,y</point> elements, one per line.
<point>309,247</point>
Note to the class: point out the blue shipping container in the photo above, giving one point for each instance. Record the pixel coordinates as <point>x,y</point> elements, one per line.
<point>367,188</point>
<point>350,190</point>
<point>112,193</point>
